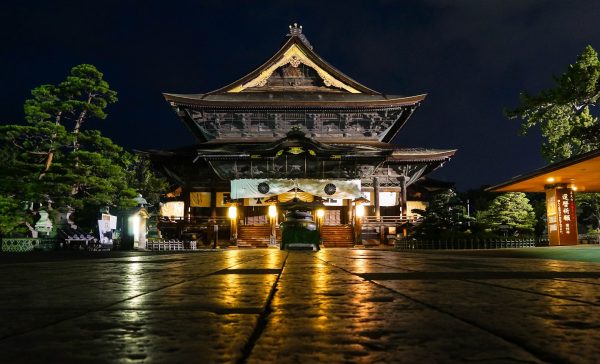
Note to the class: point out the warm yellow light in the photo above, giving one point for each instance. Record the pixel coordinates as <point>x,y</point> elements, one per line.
<point>574,188</point>
<point>360,210</point>
<point>232,212</point>
<point>550,179</point>
<point>320,213</point>
<point>272,211</point>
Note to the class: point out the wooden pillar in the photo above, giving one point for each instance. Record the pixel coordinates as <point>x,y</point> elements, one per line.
<point>213,204</point>
<point>403,205</point>
<point>350,211</point>
<point>186,204</point>
<point>378,209</point>
<point>561,215</point>
<point>234,226</point>
<point>242,211</point>
<point>357,230</point>
<point>210,231</point>
<point>376,197</point>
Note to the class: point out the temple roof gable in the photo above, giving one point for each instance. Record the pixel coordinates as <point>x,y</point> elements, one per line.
<point>296,67</point>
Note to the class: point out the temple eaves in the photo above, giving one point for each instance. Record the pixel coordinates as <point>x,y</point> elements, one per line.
<point>295,86</point>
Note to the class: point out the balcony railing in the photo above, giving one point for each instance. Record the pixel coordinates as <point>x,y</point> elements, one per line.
<point>220,220</point>
<point>388,220</point>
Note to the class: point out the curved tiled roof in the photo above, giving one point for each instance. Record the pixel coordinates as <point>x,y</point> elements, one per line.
<point>236,95</point>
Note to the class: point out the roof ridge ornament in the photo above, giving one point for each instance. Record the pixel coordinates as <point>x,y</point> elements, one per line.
<point>296,31</point>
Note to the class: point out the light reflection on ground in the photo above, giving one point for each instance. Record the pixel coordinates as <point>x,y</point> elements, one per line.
<point>421,307</point>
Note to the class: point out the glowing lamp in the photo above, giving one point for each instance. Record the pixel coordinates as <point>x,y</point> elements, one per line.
<point>134,223</point>
<point>272,211</point>
<point>574,188</point>
<point>360,210</point>
<point>320,213</point>
<point>232,212</point>
<point>550,179</point>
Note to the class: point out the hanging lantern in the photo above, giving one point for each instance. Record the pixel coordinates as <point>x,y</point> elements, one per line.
<point>272,211</point>
<point>232,212</point>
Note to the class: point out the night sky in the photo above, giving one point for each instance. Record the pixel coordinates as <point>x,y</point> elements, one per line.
<point>471,57</point>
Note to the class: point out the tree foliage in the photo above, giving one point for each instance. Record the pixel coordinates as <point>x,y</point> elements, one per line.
<point>23,149</point>
<point>82,95</point>
<point>144,180</point>
<point>590,204</point>
<point>86,178</point>
<point>511,211</point>
<point>13,216</point>
<point>565,113</point>
<point>52,159</point>
<point>93,175</point>
<point>445,214</point>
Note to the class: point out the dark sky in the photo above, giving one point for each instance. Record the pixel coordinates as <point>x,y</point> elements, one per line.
<point>471,57</point>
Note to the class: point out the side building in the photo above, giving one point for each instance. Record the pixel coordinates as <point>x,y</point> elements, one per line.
<point>295,127</point>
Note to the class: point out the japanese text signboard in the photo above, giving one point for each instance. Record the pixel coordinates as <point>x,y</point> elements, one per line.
<point>562,218</point>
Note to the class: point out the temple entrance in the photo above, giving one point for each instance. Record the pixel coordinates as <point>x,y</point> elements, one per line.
<point>332,217</point>
<point>256,226</point>
<point>257,220</point>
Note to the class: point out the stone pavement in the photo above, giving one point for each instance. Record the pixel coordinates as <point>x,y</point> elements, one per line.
<point>336,305</point>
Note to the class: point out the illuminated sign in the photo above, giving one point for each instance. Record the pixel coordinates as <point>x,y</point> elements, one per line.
<point>562,218</point>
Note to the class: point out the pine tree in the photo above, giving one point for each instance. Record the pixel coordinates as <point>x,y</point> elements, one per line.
<point>144,180</point>
<point>566,115</point>
<point>445,214</point>
<point>83,95</point>
<point>512,210</point>
<point>564,112</point>
<point>53,159</point>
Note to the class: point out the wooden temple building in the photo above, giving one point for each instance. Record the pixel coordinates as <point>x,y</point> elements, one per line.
<point>295,127</point>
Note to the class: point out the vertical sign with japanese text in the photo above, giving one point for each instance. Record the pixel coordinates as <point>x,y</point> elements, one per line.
<point>551,216</point>
<point>562,218</point>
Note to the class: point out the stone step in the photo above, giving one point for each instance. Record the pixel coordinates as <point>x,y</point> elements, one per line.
<point>257,236</point>
<point>337,236</point>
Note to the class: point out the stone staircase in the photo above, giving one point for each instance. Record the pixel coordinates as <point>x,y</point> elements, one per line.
<point>337,236</point>
<point>255,236</point>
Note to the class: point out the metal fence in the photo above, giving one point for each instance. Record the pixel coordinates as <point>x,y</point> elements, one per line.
<point>22,245</point>
<point>451,244</point>
<point>589,238</point>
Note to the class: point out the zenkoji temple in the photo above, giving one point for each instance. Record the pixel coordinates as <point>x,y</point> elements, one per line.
<point>295,127</point>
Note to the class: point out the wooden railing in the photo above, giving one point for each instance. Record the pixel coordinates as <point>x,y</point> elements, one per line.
<point>221,220</point>
<point>388,220</point>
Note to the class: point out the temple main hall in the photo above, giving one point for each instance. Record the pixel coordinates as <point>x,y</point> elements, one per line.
<point>295,129</point>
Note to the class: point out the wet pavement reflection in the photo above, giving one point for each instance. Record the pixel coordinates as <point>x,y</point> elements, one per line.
<point>336,305</point>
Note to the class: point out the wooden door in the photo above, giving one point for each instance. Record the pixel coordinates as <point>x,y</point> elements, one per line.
<point>332,217</point>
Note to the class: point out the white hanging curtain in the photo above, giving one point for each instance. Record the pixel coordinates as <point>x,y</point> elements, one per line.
<point>248,188</point>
